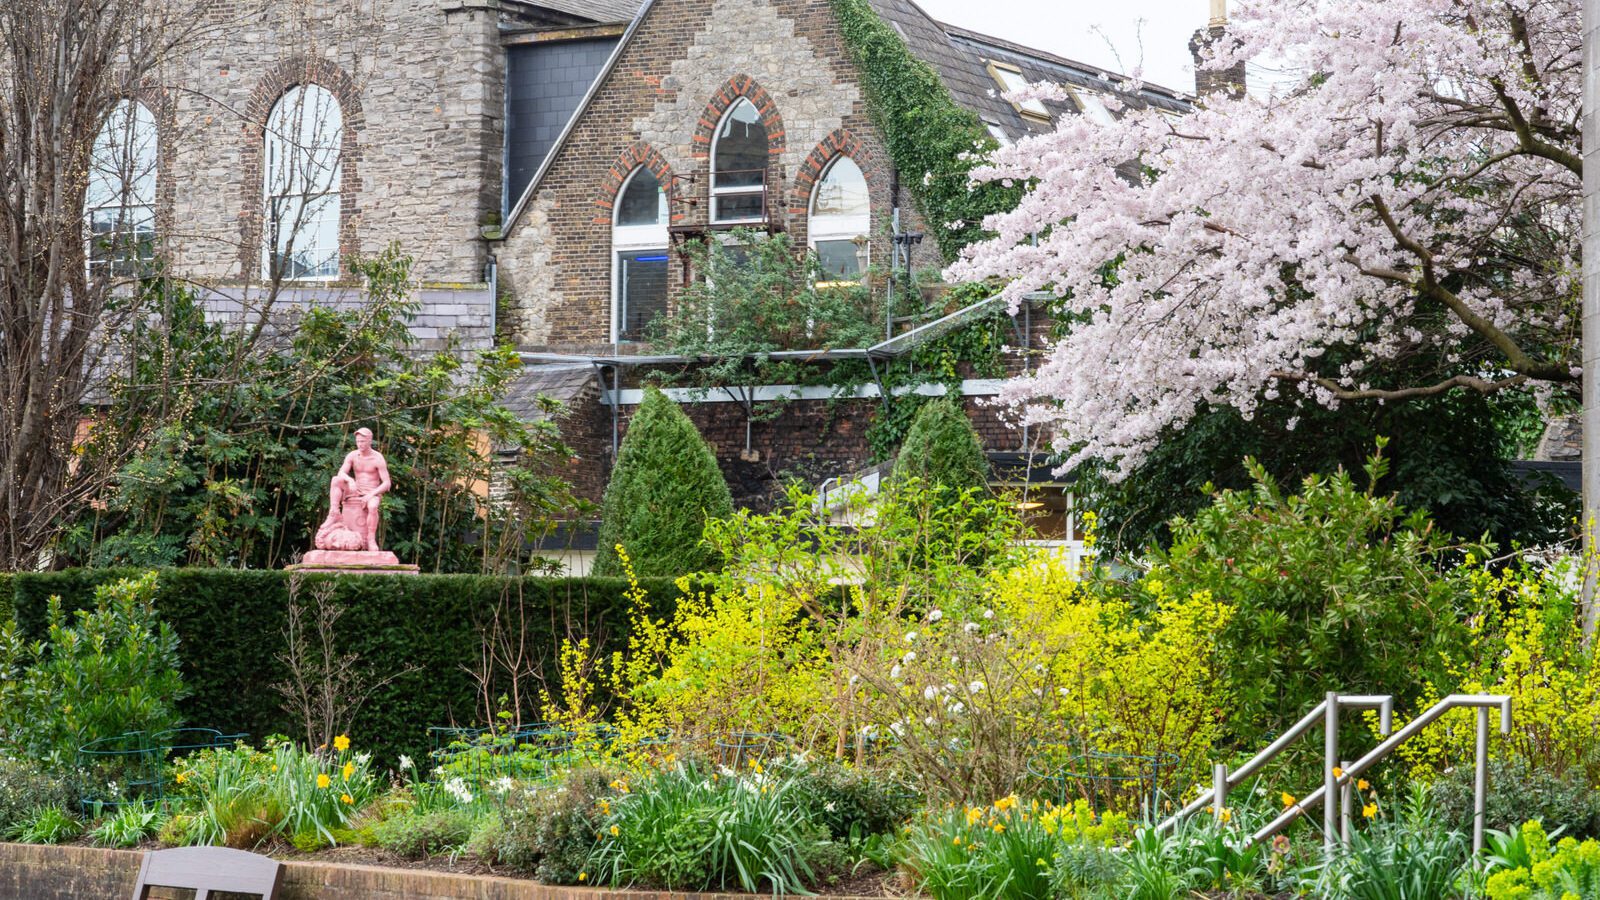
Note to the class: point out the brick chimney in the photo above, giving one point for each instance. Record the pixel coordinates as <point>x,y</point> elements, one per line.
<point>1229,81</point>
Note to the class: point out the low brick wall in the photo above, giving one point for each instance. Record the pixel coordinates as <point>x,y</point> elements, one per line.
<point>35,872</point>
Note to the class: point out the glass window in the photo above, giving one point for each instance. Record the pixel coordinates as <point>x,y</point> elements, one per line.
<point>302,175</point>
<point>840,219</point>
<point>639,256</point>
<point>1010,79</point>
<point>641,291</point>
<point>739,166</point>
<point>998,133</point>
<point>120,203</point>
<point>1092,106</point>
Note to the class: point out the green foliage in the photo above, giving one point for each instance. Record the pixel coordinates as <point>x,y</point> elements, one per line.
<point>1010,851</point>
<point>5,597</point>
<point>1451,459</point>
<point>46,825</point>
<point>1334,586</point>
<point>942,449</point>
<point>127,827</point>
<point>663,489</point>
<point>1535,871</point>
<point>417,835</point>
<point>933,141</point>
<point>26,785</point>
<point>690,828</point>
<point>1520,791</point>
<point>550,832</point>
<point>221,451</point>
<point>98,674</point>
<point>850,801</point>
<point>223,617</point>
<point>760,295</point>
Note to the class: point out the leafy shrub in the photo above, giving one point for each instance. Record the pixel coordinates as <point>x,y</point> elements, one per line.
<point>26,785</point>
<point>550,832</point>
<point>46,825</point>
<point>486,837</point>
<point>416,835</point>
<point>1519,792</point>
<point>664,487</point>
<point>1334,586</point>
<point>690,828</point>
<point>1536,872</point>
<point>850,802</point>
<point>1410,857</point>
<point>127,826</point>
<point>103,673</point>
<point>942,450</point>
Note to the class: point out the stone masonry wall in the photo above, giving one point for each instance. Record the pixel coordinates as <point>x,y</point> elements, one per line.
<point>687,61</point>
<point>420,84</point>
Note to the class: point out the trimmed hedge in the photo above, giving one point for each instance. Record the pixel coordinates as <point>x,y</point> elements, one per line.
<point>5,597</point>
<point>231,626</point>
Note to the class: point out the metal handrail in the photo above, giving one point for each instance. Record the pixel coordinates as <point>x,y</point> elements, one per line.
<point>1222,781</point>
<point>1336,783</point>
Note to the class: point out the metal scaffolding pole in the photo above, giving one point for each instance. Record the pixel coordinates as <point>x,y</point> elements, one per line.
<point>1591,305</point>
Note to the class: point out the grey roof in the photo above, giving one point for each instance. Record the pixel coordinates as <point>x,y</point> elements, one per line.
<point>562,382</point>
<point>600,12</point>
<point>960,56</point>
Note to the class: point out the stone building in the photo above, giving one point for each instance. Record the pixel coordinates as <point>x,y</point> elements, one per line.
<point>548,162</point>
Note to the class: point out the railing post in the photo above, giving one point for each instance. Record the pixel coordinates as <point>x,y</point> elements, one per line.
<point>1219,789</point>
<point>1344,805</point>
<point>1330,782</point>
<point>1480,780</point>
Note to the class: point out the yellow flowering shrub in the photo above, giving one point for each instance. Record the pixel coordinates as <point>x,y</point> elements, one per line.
<point>1526,643</point>
<point>1569,871</point>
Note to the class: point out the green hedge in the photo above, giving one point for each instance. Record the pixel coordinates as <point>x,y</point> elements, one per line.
<point>231,625</point>
<point>5,597</point>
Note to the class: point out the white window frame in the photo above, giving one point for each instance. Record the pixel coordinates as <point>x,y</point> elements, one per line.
<point>331,196</point>
<point>852,227</point>
<point>1010,78</point>
<point>633,238</point>
<point>113,177</point>
<point>719,192</point>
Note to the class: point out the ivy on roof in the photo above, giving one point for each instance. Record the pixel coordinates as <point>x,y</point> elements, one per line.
<point>934,141</point>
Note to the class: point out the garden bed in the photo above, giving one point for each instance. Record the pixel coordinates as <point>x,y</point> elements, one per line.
<point>40,872</point>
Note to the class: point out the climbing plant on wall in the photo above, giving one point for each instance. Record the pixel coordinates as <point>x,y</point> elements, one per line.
<point>933,141</point>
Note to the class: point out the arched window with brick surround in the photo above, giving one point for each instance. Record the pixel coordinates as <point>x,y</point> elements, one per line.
<point>120,203</point>
<point>840,218</point>
<point>301,187</point>
<point>638,256</point>
<point>739,166</point>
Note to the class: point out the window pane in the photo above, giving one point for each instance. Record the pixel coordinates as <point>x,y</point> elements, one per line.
<point>840,260</point>
<point>741,153</point>
<point>1013,81</point>
<point>305,135</point>
<point>642,200</point>
<point>733,207</point>
<point>642,290</point>
<point>305,233</point>
<point>843,191</point>
<point>121,194</point>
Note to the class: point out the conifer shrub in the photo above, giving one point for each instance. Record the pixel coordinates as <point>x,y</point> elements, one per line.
<point>664,487</point>
<point>942,450</point>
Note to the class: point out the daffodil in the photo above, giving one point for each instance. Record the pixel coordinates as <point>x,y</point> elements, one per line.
<point>341,743</point>
<point>1287,798</point>
<point>349,769</point>
<point>583,876</point>
<point>1361,784</point>
<point>323,780</point>
<point>615,831</point>
<point>1370,810</point>
<point>347,799</point>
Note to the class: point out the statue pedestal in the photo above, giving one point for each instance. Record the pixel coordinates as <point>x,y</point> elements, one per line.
<point>374,562</point>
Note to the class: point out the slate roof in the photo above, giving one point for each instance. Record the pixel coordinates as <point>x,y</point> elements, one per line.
<point>563,382</point>
<point>599,12</point>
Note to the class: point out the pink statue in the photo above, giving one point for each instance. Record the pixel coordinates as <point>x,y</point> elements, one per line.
<point>347,540</point>
<point>353,502</point>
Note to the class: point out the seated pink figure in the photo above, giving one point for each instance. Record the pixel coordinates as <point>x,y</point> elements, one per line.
<point>354,497</point>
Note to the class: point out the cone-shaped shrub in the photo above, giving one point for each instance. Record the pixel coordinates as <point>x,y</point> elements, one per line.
<point>942,450</point>
<point>665,485</point>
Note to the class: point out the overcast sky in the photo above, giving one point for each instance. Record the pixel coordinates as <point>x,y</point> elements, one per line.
<point>1154,33</point>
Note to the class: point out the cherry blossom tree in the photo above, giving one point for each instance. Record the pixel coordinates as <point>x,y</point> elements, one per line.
<point>1414,194</point>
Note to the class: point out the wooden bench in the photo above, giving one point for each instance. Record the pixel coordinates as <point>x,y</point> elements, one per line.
<point>209,871</point>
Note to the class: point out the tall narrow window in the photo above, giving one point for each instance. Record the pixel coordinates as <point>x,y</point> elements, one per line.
<point>739,166</point>
<point>305,133</point>
<point>120,204</point>
<point>840,220</point>
<point>639,256</point>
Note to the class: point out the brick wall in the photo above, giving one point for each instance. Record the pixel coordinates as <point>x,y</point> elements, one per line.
<point>687,61</point>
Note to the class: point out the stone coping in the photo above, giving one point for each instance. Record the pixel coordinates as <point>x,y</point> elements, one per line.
<point>43,872</point>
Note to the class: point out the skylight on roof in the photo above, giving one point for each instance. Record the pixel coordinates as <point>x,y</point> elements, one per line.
<point>1092,106</point>
<point>1010,79</point>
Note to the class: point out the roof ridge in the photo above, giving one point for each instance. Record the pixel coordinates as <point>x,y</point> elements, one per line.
<point>961,31</point>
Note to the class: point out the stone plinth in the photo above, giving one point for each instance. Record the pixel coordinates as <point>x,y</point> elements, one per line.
<point>379,562</point>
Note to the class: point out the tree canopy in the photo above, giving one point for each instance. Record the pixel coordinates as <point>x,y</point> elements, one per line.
<point>1413,193</point>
